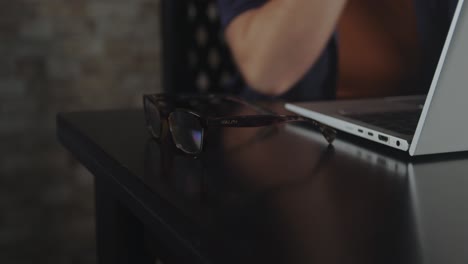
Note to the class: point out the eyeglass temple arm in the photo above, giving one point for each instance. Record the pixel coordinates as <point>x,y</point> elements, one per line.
<point>268,120</point>
<point>252,120</point>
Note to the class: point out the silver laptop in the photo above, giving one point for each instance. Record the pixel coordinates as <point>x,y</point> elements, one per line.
<point>436,123</point>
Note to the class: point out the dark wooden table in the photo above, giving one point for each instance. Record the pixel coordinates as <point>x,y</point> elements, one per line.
<point>267,195</point>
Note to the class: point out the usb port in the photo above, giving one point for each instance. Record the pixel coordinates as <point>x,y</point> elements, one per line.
<point>383,138</point>
<point>360,131</point>
<point>370,134</point>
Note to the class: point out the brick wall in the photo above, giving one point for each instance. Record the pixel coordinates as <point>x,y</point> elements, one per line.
<point>61,55</point>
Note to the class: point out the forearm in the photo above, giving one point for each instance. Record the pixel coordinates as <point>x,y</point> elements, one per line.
<point>275,45</point>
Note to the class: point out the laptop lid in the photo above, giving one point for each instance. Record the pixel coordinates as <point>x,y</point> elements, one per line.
<point>443,126</point>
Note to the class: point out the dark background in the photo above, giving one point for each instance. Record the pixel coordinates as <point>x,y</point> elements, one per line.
<point>63,55</point>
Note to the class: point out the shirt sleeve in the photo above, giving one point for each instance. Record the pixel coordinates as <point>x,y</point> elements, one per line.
<point>229,9</point>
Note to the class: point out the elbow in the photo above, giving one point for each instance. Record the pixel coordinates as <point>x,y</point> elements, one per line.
<point>269,75</point>
<point>264,81</point>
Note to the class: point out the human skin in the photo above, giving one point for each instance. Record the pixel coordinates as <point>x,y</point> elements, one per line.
<point>274,45</point>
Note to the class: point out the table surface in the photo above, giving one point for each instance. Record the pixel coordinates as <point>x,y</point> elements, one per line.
<point>281,194</point>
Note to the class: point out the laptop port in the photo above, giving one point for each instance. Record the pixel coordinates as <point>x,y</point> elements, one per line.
<point>360,131</point>
<point>370,134</point>
<point>383,138</point>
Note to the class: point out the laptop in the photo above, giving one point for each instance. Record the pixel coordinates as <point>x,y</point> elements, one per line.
<point>420,125</point>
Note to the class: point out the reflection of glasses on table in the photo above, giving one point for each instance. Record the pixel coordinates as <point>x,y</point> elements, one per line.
<point>187,127</point>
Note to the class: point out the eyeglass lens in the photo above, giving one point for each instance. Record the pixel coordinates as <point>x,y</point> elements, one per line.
<point>153,118</point>
<point>187,131</point>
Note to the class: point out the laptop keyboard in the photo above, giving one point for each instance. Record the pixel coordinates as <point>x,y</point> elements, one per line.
<point>402,122</point>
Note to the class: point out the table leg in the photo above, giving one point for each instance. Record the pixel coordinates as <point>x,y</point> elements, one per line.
<point>119,234</point>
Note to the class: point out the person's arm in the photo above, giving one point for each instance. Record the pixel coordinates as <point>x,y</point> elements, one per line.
<point>274,45</point>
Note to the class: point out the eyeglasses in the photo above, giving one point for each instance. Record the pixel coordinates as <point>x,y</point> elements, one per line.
<point>188,127</point>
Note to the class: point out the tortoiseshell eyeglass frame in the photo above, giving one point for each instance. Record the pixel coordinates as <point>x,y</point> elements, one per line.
<point>168,103</point>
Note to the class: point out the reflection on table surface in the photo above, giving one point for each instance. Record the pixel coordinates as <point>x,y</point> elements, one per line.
<point>282,195</point>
